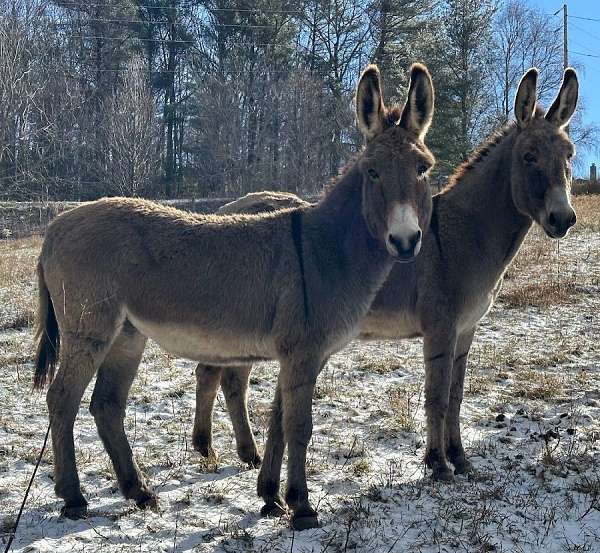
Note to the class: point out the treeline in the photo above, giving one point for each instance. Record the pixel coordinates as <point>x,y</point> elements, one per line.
<point>172,98</point>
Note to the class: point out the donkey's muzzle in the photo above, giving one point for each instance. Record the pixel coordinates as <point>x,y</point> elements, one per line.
<point>559,222</point>
<point>405,248</point>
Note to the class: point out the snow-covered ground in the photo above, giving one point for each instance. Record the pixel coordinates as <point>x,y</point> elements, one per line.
<point>531,422</point>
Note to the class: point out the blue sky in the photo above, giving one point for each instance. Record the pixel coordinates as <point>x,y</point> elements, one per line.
<point>584,38</point>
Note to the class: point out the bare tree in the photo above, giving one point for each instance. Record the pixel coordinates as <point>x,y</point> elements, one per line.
<point>523,37</point>
<point>18,90</point>
<point>130,133</point>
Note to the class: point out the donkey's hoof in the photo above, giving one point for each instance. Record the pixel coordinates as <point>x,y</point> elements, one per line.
<point>462,466</point>
<point>304,521</point>
<point>436,461</point>
<point>443,474</point>
<point>250,456</point>
<point>74,512</point>
<point>147,500</point>
<point>274,509</point>
<point>202,446</point>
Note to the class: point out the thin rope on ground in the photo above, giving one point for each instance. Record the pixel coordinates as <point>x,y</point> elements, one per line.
<point>39,460</point>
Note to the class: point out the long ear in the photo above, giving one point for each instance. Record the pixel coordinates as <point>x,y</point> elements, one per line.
<point>418,110</point>
<point>526,97</point>
<point>563,107</point>
<point>370,111</point>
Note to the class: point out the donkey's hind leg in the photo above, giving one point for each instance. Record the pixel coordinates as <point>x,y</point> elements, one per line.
<point>235,388</point>
<point>80,358</point>
<point>115,378</point>
<point>208,378</point>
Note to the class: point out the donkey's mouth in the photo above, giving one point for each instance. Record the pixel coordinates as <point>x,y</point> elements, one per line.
<point>404,255</point>
<point>405,260</point>
<point>554,233</point>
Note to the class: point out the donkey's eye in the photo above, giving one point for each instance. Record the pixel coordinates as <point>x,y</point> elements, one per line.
<point>422,169</point>
<point>529,158</point>
<point>373,174</point>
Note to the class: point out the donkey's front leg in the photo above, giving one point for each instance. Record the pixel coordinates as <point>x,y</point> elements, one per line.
<point>298,380</point>
<point>454,446</point>
<point>438,349</point>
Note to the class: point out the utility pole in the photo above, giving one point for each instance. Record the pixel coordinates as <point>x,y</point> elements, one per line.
<point>565,38</point>
<point>565,35</point>
<point>565,41</point>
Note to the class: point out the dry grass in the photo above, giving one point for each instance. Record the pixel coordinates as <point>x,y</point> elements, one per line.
<point>541,294</point>
<point>588,213</point>
<point>538,276</point>
<point>18,259</point>
<point>538,384</point>
<point>536,250</point>
<point>404,404</point>
<point>379,365</point>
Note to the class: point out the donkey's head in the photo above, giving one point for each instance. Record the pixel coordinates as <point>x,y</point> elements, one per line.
<point>396,162</point>
<point>542,152</point>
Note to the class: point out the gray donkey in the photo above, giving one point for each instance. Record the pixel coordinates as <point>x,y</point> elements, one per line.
<point>520,175</point>
<point>291,285</point>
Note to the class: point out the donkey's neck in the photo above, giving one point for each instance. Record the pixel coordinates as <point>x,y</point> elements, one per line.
<point>341,216</point>
<point>483,197</point>
<point>341,252</point>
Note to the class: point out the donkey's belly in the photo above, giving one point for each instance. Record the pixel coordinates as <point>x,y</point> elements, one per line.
<point>476,310</point>
<point>207,346</point>
<point>389,325</point>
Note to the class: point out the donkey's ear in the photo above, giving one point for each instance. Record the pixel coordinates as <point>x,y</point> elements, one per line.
<point>563,107</point>
<point>370,111</point>
<point>526,98</point>
<point>418,110</point>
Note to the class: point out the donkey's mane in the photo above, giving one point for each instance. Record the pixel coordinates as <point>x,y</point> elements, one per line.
<point>482,151</point>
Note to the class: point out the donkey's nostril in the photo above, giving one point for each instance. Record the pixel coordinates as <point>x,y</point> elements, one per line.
<point>552,219</point>
<point>573,219</point>
<point>406,248</point>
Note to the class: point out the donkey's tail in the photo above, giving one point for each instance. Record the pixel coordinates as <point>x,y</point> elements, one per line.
<point>47,336</point>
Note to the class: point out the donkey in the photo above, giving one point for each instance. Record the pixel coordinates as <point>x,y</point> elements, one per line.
<point>290,285</point>
<point>520,175</point>
<point>262,202</point>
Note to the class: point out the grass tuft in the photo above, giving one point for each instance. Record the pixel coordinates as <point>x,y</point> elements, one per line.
<point>404,403</point>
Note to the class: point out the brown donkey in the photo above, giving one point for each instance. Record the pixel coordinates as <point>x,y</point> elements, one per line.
<point>522,174</point>
<point>291,285</point>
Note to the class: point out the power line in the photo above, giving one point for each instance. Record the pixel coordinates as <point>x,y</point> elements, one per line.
<point>160,40</point>
<point>587,55</point>
<point>180,6</point>
<point>123,38</point>
<point>155,21</point>
<point>145,70</point>
<point>581,29</point>
<point>585,47</point>
<point>585,18</point>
